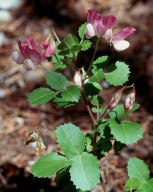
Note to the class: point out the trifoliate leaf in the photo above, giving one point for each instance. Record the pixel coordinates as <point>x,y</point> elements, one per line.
<point>68,97</point>
<point>85,45</point>
<point>49,164</point>
<point>85,172</point>
<point>138,169</point>
<point>40,96</point>
<point>132,184</point>
<point>70,139</point>
<point>82,30</point>
<point>56,80</point>
<point>117,74</point>
<point>126,132</point>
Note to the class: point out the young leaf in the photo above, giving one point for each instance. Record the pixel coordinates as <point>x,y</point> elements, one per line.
<point>85,172</point>
<point>69,96</point>
<point>117,74</point>
<point>126,132</point>
<point>82,30</point>
<point>56,80</point>
<point>138,169</point>
<point>49,164</point>
<point>132,184</point>
<point>147,186</point>
<point>86,44</point>
<point>70,139</point>
<point>40,96</point>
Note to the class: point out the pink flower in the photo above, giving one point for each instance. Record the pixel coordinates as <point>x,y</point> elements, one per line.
<point>129,101</point>
<point>29,54</point>
<point>102,27</point>
<point>98,25</point>
<point>49,45</point>
<point>117,40</point>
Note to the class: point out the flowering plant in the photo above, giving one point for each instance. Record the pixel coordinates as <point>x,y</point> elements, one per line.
<point>76,164</point>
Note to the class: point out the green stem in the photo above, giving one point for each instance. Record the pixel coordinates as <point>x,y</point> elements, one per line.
<point>93,57</point>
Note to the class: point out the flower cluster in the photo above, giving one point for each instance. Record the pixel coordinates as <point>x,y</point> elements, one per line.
<point>102,27</point>
<point>30,54</point>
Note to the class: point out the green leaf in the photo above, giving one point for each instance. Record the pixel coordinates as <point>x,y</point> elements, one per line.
<point>85,172</point>
<point>70,139</point>
<point>119,112</point>
<point>92,89</point>
<point>40,96</point>
<point>126,132</point>
<point>49,164</point>
<point>68,42</point>
<point>132,184</point>
<point>56,80</point>
<point>138,169</point>
<point>89,146</point>
<point>147,186</point>
<point>82,30</point>
<point>97,76</point>
<point>96,100</point>
<point>86,44</point>
<point>100,63</point>
<point>98,110</point>
<point>117,74</point>
<point>102,127</point>
<point>68,97</point>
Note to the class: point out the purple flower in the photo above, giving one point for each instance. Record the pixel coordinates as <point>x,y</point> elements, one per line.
<point>98,25</point>
<point>102,27</point>
<point>29,54</point>
<point>117,40</point>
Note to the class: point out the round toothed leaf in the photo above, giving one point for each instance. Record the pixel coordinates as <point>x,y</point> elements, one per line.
<point>49,164</point>
<point>138,169</point>
<point>85,172</point>
<point>126,132</point>
<point>117,74</point>
<point>40,96</point>
<point>56,80</point>
<point>70,139</point>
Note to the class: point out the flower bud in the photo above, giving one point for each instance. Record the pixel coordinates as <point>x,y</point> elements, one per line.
<point>129,101</point>
<point>77,79</point>
<point>115,99</point>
